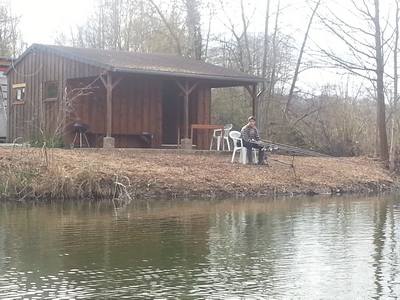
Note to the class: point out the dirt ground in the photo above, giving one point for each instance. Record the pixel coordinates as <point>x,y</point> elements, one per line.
<point>56,173</point>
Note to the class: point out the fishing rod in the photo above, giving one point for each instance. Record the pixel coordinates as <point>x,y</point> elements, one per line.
<point>292,150</point>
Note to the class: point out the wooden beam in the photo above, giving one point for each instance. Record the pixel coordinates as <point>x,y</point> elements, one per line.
<point>181,86</point>
<point>193,87</point>
<point>109,85</point>
<point>186,111</point>
<point>114,84</point>
<point>109,104</point>
<point>119,79</point>
<point>186,90</point>
<point>104,81</point>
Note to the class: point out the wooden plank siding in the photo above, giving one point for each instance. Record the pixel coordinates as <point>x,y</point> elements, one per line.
<point>199,108</point>
<point>136,108</point>
<point>28,120</point>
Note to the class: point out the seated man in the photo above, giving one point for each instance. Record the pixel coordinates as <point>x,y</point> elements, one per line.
<point>250,139</point>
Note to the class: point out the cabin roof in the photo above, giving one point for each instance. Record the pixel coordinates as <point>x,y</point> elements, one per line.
<point>144,63</point>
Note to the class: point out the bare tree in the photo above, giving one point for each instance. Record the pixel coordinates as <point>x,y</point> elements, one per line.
<point>332,122</point>
<point>245,24</point>
<point>264,100</point>
<point>365,44</point>
<point>265,46</point>
<point>272,76</point>
<point>296,71</point>
<point>174,35</point>
<point>207,41</point>
<point>238,47</point>
<point>132,25</point>
<point>195,40</point>
<point>393,143</point>
<point>10,38</point>
<point>380,68</point>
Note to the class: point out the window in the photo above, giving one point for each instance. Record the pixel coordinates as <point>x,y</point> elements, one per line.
<point>19,92</point>
<point>50,90</point>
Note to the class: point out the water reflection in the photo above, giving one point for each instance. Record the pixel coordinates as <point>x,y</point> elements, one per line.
<point>288,248</point>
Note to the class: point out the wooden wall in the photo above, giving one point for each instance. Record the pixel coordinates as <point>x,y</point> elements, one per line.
<point>136,108</point>
<point>28,119</point>
<point>200,113</point>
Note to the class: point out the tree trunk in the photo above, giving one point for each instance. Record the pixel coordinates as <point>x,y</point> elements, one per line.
<point>381,118</point>
<point>195,41</point>
<point>296,72</point>
<point>271,86</point>
<point>171,31</point>
<point>262,110</point>
<point>246,40</point>
<point>393,144</point>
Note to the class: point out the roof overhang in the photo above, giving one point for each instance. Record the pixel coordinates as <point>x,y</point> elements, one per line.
<point>220,81</point>
<point>213,80</point>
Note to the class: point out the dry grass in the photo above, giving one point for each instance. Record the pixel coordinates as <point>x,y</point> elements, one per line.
<point>59,174</point>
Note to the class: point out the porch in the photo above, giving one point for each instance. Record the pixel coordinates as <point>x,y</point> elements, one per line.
<point>141,111</point>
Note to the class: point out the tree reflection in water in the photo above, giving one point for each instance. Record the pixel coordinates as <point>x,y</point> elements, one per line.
<point>285,248</point>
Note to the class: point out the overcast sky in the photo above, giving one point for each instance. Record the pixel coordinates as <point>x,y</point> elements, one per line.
<point>42,19</point>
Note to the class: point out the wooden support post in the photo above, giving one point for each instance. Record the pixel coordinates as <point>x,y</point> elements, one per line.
<point>108,141</point>
<point>109,104</point>
<point>186,111</point>
<point>186,90</point>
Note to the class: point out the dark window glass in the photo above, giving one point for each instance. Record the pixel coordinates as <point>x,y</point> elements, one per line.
<point>50,89</point>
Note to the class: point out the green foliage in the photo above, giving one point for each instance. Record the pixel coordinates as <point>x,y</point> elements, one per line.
<point>49,142</point>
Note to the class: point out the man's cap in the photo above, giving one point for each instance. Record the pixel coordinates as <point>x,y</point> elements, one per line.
<point>251,118</point>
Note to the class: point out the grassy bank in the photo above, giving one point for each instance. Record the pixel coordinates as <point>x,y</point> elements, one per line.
<point>31,173</point>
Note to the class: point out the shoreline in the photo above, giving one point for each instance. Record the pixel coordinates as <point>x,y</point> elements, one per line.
<point>98,174</point>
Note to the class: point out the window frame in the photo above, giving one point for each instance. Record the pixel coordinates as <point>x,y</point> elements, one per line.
<point>45,87</point>
<point>19,93</point>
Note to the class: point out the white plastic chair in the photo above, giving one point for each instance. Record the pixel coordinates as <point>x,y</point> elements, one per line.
<point>238,146</point>
<point>217,136</point>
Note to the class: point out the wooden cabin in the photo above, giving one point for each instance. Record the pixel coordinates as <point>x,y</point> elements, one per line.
<point>123,99</point>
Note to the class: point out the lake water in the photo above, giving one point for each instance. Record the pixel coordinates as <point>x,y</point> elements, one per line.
<point>302,248</point>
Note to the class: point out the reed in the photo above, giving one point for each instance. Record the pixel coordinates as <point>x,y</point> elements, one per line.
<point>31,174</point>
